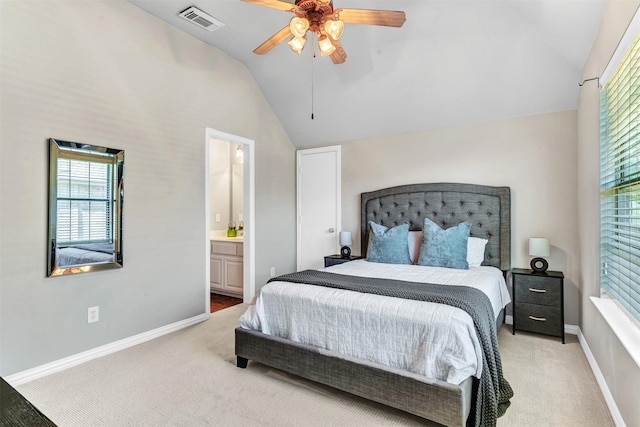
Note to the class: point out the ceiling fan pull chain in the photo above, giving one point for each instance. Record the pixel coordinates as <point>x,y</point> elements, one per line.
<point>312,65</point>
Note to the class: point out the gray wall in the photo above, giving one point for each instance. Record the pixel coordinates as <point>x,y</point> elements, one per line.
<point>620,372</point>
<point>535,156</point>
<point>109,74</point>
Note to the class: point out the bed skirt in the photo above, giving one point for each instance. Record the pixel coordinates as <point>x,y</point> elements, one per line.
<point>435,400</point>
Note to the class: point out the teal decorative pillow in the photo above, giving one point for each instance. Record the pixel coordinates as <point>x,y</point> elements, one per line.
<point>444,248</point>
<point>388,245</point>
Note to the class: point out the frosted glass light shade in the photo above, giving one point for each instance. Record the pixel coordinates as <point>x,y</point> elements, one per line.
<point>538,246</point>
<point>334,28</point>
<point>298,26</point>
<point>345,238</point>
<point>326,47</point>
<point>297,44</point>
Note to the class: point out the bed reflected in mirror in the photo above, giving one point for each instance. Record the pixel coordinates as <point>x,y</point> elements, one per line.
<point>86,194</point>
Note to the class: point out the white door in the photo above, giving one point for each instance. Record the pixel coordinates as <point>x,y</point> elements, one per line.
<point>318,205</point>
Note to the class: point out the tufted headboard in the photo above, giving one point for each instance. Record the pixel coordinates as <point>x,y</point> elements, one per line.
<point>447,204</point>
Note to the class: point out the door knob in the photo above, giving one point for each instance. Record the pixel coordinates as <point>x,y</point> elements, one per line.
<point>332,230</point>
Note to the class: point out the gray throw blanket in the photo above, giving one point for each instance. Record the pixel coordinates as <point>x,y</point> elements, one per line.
<point>494,392</point>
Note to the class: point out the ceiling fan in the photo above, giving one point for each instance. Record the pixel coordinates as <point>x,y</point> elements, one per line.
<point>320,18</point>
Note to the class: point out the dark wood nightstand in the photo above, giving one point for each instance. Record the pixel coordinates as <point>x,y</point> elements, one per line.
<point>337,259</point>
<point>538,302</point>
<point>16,410</point>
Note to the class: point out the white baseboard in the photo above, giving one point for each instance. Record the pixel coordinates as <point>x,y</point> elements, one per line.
<point>571,329</point>
<point>77,359</point>
<point>604,388</point>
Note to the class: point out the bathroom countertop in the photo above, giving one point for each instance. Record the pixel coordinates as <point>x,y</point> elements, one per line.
<point>221,236</point>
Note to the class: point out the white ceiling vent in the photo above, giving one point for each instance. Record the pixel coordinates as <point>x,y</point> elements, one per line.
<point>201,19</point>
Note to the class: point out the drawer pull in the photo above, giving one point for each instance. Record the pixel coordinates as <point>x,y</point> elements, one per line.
<point>540,291</point>
<point>538,319</point>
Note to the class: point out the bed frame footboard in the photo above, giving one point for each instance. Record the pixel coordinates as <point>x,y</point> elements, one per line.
<point>438,401</point>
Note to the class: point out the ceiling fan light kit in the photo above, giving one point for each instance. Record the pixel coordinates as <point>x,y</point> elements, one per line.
<point>298,26</point>
<point>325,45</point>
<point>319,17</point>
<point>334,28</point>
<point>297,44</point>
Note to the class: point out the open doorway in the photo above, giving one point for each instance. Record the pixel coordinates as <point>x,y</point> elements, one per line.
<point>230,257</point>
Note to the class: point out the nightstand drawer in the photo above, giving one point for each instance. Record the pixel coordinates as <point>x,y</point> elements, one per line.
<point>538,289</point>
<point>538,318</point>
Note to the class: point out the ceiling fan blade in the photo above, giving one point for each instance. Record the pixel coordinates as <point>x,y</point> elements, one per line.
<point>274,41</point>
<point>274,4</point>
<point>389,18</point>
<point>339,55</point>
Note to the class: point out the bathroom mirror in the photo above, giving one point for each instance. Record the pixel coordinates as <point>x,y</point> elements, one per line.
<point>226,184</point>
<point>85,208</point>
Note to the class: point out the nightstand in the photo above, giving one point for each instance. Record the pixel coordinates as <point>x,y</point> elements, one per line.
<point>538,302</point>
<point>337,259</point>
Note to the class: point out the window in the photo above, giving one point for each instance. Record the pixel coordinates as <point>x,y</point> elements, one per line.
<point>620,178</point>
<point>84,201</point>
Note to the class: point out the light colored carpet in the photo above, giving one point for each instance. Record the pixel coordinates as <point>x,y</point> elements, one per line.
<point>189,378</point>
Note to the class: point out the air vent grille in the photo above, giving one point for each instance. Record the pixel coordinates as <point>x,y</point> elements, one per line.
<point>201,19</point>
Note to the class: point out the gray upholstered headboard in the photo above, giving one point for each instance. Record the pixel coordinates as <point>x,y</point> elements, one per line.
<point>447,204</point>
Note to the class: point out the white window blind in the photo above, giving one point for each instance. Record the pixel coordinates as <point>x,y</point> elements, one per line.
<point>620,181</point>
<point>84,202</point>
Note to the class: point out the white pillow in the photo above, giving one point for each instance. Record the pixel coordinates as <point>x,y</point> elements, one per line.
<point>415,240</point>
<point>475,251</point>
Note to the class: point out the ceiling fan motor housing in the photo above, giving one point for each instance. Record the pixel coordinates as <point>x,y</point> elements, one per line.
<point>316,12</point>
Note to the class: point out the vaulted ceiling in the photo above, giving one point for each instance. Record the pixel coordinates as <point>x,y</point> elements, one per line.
<point>454,62</point>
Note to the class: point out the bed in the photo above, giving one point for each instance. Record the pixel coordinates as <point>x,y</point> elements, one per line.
<point>84,254</point>
<point>442,400</point>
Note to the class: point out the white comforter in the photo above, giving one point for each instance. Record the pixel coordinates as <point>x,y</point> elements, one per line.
<point>434,340</point>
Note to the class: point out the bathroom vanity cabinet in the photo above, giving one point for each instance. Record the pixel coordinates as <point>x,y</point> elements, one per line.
<point>226,268</point>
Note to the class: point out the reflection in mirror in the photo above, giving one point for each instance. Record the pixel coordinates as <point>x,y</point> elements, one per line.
<point>226,180</point>
<point>85,208</point>
<point>237,183</point>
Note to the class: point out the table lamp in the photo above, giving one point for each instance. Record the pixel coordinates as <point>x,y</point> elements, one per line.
<point>345,241</point>
<point>539,247</point>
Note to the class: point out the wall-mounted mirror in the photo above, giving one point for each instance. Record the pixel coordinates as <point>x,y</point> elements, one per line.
<point>86,193</point>
<point>226,162</point>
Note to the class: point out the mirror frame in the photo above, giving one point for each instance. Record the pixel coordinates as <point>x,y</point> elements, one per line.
<point>114,157</point>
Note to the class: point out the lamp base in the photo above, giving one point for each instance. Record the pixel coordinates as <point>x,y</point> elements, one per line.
<point>539,265</point>
<point>345,251</point>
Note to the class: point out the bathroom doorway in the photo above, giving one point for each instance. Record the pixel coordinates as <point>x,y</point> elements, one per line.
<point>229,204</point>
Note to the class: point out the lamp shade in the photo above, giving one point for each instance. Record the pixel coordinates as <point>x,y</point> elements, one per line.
<point>325,45</point>
<point>538,246</point>
<point>345,238</point>
<point>297,44</point>
<point>334,28</point>
<point>298,26</point>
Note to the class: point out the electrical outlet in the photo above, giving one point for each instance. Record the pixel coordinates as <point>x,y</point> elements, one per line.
<point>217,217</point>
<point>273,272</point>
<point>93,314</point>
